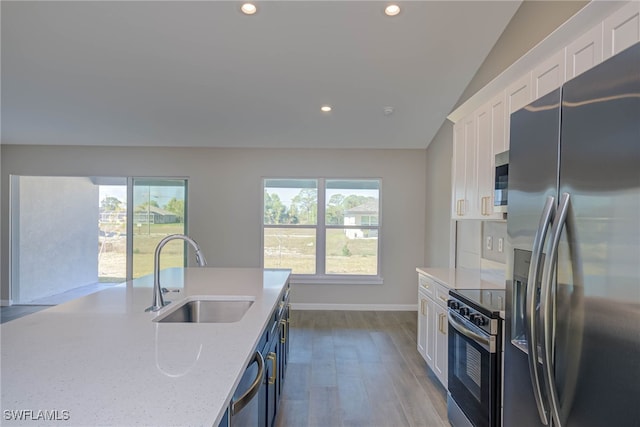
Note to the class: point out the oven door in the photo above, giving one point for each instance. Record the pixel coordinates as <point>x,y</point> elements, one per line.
<point>473,371</point>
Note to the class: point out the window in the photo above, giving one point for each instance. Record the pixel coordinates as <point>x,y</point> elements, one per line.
<point>325,230</point>
<point>105,231</point>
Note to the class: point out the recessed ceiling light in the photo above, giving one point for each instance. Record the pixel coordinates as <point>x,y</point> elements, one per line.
<point>392,10</point>
<point>326,108</point>
<point>248,9</point>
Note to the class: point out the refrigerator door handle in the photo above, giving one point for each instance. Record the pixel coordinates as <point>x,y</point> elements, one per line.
<point>547,305</point>
<point>531,332</point>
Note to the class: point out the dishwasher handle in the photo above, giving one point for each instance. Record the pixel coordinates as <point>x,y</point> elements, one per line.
<point>240,403</point>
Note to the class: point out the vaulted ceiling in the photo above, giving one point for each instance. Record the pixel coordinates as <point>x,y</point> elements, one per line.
<point>202,74</point>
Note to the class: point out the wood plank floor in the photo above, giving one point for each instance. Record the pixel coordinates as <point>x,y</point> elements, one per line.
<point>358,368</point>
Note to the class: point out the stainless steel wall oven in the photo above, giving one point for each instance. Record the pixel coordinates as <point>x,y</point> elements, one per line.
<point>475,331</point>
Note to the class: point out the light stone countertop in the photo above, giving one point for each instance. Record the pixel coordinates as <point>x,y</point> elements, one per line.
<point>460,278</point>
<point>104,360</point>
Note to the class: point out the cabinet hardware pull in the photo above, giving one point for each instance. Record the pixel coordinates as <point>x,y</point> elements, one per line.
<point>272,357</point>
<point>283,322</point>
<point>440,323</point>
<point>422,307</point>
<point>443,299</point>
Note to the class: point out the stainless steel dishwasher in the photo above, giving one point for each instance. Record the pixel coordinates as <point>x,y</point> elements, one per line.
<point>248,405</point>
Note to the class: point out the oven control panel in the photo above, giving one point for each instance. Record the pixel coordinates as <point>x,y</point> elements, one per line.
<point>479,319</point>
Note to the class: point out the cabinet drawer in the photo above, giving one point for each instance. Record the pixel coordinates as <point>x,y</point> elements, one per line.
<point>427,285</point>
<point>441,295</point>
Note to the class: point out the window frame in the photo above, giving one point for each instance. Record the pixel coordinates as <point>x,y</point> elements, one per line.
<point>321,276</point>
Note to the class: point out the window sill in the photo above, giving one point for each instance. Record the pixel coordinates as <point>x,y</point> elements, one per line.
<point>301,279</point>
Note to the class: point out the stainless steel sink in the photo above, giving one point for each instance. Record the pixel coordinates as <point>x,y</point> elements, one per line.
<point>207,310</point>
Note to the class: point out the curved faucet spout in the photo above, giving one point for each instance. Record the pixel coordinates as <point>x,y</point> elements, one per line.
<point>158,299</point>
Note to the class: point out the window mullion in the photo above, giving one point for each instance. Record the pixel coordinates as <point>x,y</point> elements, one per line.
<point>321,244</point>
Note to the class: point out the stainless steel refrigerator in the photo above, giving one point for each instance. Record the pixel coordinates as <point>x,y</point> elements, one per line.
<point>572,332</point>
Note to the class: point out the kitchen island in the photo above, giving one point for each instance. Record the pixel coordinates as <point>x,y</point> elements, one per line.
<point>102,360</point>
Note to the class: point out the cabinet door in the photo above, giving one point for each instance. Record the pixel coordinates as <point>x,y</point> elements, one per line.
<point>430,345</point>
<point>441,344</point>
<point>490,140</point>
<point>517,95</point>
<point>499,124</point>
<point>471,166</point>
<point>282,353</point>
<point>459,171</point>
<point>272,381</point>
<point>484,199</point>
<point>549,75</point>
<point>621,29</point>
<point>584,53</point>
<point>422,325</point>
<point>465,185</point>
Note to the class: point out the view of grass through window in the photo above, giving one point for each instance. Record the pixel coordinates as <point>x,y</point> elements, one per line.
<point>158,211</point>
<point>322,226</point>
<point>112,237</point>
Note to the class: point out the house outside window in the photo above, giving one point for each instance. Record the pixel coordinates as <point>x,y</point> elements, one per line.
<point>325,230</point>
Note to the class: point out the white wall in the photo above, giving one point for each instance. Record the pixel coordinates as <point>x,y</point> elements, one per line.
<point>438,198</point>
<point>225,194</point>
<point>55,237</point>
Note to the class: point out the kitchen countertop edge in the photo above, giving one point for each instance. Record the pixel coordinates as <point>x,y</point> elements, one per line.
<point>108,363</point>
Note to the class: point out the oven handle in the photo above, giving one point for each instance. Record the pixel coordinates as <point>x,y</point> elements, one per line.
<point>487,342</point>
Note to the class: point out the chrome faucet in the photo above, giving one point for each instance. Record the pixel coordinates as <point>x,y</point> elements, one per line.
<point>158,299</point>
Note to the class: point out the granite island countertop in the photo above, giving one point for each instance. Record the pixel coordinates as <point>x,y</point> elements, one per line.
<point>101,360</point>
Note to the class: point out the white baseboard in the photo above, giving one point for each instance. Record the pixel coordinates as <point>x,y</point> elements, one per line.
<point>355,307</point>
<point>5,302</point>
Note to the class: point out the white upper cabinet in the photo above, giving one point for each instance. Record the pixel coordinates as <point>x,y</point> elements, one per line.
<point>458,173</point>
<point>549,75</point>
<point>465,181</point>
<point>484,201</point>
<point>498,125</point>
<point>490,138</point>
<point>483,131</point>
<point>584,53</point>
<point>517,95</point>
<point>621,29</point>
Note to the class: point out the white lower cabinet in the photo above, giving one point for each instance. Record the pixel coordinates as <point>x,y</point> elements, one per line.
<point>423,325</point>
<point>433,325</point>
<point>441,350</point>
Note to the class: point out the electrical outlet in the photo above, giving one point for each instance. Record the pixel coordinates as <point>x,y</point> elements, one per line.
<point>489,243</point>
<point>500,244</point>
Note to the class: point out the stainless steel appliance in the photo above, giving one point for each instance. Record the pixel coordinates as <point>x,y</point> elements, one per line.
<point>247,407</point>
<point>572,342</point>
<point>500,193</point>
<point>475,330</point>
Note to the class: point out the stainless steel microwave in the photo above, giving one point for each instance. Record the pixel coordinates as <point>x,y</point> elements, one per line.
<point>500,196</point>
